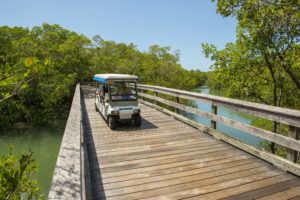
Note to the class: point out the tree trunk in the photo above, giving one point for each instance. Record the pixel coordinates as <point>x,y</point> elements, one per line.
<point>272,144</point>
<point>274,128</point>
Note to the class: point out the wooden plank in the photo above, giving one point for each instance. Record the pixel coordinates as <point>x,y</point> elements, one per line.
<point>200,161</point>
<point>154,147</point>
<point>287,194</point>
<point>159,156</point>
<point>148,149</point>
<point>259,190</point>
<point>295,198</point>
<point>201,186</point>
<point>150,140</point>
<point>162,135</point>
<point>241,164</point>
<point>156,144</point>
<point>161,131</point>
<point>276,160</point>
<point>143,143</point>
<point>222,194</point>
<point>150,137</point>
<point>185,180</point>
<point>159,125</point>
<point>283,115</point>
<point>205,166</point>
<point>159,160</point>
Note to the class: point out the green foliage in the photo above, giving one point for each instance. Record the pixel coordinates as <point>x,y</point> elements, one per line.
<point>263,64</point>
<point>15,173</point>
<point>40,67</point>
<point>38,71</point>
<point>156,67</point>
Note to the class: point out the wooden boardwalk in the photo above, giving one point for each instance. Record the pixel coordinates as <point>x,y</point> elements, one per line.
<point>167,159</point>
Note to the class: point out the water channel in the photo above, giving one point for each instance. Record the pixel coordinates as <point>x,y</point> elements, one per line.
<point>44,141</point>
<point>237,116</point>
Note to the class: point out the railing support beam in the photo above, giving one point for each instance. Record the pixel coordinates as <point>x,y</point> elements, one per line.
<point>176,109</point>
<point>292,155</point>
<point>213,124</point>
<point>155,94</point>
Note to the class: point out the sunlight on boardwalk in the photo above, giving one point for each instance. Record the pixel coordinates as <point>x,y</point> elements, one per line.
<point>167,159</point>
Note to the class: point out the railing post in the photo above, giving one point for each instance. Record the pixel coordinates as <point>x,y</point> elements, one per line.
<point>213,124</point>
<point>155,94</point>
<point>176,109</point>
<point>141,93</point>
<point>292,155</point>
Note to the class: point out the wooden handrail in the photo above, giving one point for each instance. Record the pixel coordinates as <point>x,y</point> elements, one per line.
<point>69,157</point>
<point>282,115</point>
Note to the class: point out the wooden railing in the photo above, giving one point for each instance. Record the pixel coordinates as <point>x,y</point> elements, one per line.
<point>70,179</point>
<point>278,114</point>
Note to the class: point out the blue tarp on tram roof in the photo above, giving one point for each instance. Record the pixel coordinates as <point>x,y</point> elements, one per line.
<point>105,77</point>
<point>99,79</point>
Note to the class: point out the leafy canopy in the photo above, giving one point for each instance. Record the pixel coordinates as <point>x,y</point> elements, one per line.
<point>40,67</point>
<point>263,63</point>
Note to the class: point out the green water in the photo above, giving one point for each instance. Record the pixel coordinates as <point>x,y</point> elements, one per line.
<point>44,141</point>
<point>237,116</point>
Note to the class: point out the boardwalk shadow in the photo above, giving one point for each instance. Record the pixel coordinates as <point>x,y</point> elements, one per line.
<point>94,168</point>
<point>129,126</point>
<point>88,91</point>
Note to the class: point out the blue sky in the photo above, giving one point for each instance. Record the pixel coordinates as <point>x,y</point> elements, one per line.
<point>181,24</point>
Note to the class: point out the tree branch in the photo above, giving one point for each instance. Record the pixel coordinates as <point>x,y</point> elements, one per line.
<point>4,78</point>
<point>286,68</point>
<point>17,90</point>
<point>289,72</point>
<point>21,174</point>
